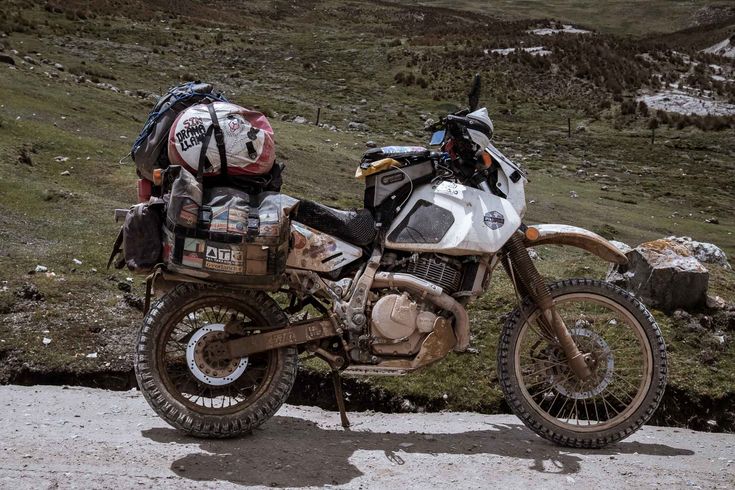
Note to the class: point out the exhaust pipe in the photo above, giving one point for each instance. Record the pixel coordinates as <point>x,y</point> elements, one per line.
<point>436,295</point>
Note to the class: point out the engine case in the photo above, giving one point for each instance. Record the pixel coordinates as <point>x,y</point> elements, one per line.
<point>399,324</point>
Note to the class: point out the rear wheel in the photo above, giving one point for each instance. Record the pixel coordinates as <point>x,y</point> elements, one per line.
<point>191,387</point>
<point>626,354</point>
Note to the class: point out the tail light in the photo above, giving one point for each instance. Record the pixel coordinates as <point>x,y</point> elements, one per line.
<point>145,189</point>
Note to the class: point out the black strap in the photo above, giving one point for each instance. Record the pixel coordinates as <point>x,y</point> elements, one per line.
<point>203,155</point>
<point>116,248</point>
<point>219,137</point>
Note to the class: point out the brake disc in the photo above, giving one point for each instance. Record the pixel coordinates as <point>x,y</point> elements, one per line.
<point>205,365</point>
<point>588,341</point>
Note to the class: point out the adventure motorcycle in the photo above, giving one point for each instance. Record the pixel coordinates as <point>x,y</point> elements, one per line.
<point>384,290</point>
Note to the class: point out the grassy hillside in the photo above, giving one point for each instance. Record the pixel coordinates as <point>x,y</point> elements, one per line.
<point>85,75</point>
<point>615,16</point>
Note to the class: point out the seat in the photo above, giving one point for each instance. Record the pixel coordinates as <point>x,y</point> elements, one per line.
<point>396,152</point>
<point>355,226</point>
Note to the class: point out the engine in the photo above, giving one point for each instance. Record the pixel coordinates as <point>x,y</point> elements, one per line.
<point>399,321</point>
<point>399,324</point>
<point>440,270</point>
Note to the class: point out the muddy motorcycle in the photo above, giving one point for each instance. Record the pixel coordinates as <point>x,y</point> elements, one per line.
<point>384,291</point>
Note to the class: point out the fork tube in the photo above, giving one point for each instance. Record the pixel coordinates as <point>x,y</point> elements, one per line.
<point>537,288</point>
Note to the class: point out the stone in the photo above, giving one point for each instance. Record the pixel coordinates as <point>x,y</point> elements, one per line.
<point>299,120</point>
<point>623,247</point>
<point>704,252</point>
<point>371,144</point>
<point>357,126</point>
<point>664,275</point>
<point>6,58</point>
<point>429,123</point>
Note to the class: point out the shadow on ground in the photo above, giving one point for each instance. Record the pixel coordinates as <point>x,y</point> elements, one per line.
<point>295,452</point>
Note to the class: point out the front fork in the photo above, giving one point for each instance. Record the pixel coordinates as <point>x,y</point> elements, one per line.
<point>528,280</point>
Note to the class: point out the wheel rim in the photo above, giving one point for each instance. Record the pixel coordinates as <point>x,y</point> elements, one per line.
<point>622,365</point>
<point>233,385</point>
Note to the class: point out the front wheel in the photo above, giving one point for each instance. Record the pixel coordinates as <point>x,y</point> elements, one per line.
<point>197,391</point>
<point>627,357</point>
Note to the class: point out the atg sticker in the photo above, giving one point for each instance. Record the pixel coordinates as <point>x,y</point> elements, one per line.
<point>223,259</point>
<point>494,220</point>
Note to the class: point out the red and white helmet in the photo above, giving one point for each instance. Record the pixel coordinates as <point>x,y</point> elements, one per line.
<point>248,140</point>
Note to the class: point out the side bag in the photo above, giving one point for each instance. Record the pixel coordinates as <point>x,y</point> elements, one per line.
<point>140,241</point>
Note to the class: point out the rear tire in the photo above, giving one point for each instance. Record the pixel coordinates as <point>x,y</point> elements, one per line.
<point>550,423</point>
<point>153,362</point>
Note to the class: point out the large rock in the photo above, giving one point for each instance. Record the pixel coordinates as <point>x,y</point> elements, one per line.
<point>703,252</point>
<point>665,275</point>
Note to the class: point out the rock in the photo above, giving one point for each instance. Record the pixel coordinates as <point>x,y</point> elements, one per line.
<point>429,123</point>
<point>124,286</point>
<point>6,58</point>
<point>573,195</point>
<point>357,126</point>
<point>533,254</point>
<point>46,341</point>
<point>65,172</point>
<point>623,247</point>
<point>77,261</point>
<point>581,128</point>
<point>371,144</point>
<point>716,303</point>
<point>664,275</point>
<point>92,355</point>
<point>41,268</point>
<point>24,156</point>
<point>29,292</point>
<point>59,66</point>
<point>703,252</point>
<point>713,221</point>
<point>408,134</point>
<point>681,315</point>
<point>363,101</point>
<point>299,120</point>
<point>134,301</point>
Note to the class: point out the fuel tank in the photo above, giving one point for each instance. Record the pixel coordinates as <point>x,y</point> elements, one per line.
<point>453,219</point>
<point>316,251</point>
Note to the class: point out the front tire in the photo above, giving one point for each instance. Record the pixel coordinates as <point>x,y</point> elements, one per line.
<point>629,375</point>
<point>221,398</point>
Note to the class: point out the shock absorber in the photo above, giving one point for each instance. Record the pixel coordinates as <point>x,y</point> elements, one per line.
<point>532,281</point>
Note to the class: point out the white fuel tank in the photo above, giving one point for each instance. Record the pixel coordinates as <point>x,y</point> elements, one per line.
<point>453,219</point>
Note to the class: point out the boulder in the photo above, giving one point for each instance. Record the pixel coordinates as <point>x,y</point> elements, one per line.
<point>703,252</point>
<point>664,275</point>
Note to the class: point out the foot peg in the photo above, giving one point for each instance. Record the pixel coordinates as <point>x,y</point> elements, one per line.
<point>337,381</point>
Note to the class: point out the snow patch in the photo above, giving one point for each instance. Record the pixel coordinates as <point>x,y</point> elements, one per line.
<point>724,48</point>
<point>565,29</point>
<point>535,51</point>
<point>683,103</point>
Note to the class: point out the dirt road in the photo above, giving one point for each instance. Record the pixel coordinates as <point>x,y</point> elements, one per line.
<point>51,437</point>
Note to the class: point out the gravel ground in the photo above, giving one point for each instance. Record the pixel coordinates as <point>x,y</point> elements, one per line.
<point>54,437</point>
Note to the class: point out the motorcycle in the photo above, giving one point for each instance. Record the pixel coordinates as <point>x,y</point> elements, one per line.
<point>384,291</point>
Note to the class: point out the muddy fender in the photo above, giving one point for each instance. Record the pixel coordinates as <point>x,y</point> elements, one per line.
<point>550,234</point>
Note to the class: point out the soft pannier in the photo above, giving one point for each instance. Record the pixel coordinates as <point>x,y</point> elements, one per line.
<point>237,238</point>
<point>140,242</point>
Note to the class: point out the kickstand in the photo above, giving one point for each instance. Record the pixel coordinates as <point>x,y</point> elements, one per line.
<point>337,381</point>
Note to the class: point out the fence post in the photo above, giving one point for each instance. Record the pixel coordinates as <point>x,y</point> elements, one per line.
<point>318,114</point>
<point>653,134</point>
<point>569,127</point>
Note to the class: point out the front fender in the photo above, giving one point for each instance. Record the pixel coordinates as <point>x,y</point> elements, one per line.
<point>577,237</point>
